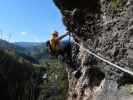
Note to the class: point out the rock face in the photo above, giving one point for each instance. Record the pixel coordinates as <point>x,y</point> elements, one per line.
<point>106,28</point>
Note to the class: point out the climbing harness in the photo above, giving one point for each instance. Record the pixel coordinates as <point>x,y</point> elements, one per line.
<point>104,60</point>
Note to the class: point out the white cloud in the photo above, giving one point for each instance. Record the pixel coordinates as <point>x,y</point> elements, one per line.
<point>24,33</point>
<point>30,36</point>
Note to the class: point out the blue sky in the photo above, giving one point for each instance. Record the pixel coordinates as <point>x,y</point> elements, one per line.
<point>29,20</point>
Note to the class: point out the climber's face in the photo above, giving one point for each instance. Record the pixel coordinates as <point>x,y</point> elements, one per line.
<point>55,34</point>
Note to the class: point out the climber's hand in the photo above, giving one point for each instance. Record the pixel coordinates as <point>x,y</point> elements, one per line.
<point>67,33</point>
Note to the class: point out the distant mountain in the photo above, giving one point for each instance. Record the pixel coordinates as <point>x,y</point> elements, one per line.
<point>27,44</point>
<point>17,50</point>
<point>12,47</point>
<point>31,47</point>
<point>37,50</point>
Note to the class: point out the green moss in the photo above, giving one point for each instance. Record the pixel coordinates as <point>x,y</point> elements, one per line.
<point>115,3</point>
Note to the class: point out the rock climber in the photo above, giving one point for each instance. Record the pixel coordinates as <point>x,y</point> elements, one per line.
<point>54,44</point>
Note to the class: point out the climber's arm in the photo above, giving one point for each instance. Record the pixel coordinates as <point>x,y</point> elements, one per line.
<point>61,37</point>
